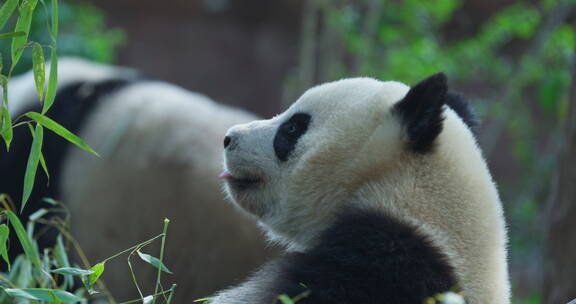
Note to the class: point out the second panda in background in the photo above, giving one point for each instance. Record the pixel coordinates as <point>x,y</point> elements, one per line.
<point>379,191</point>
<point>160,154</point>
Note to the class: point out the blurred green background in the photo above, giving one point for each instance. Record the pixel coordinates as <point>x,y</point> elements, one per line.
<point>83,33</point>
<point>513,59</point>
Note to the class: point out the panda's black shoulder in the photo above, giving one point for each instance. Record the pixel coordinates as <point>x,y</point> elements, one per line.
<point>459,104</point>
<point>366,257</point>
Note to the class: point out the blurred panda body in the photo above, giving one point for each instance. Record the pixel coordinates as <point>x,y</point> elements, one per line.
<point>160,157</point>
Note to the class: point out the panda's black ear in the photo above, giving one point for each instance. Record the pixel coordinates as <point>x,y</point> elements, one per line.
<point>420,112</point>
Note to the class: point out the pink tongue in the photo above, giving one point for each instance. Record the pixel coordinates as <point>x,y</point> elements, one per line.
<point>224,175</point>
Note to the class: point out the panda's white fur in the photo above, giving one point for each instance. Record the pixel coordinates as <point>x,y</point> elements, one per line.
<point>160,148</point>
<point>354,153</point>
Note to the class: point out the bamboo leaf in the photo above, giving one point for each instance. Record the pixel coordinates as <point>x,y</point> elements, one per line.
<point>44,167</point>
<point>52,81</point>
<point>38,214</point>
<point>32,165</point>
<point>55,299</point>
<point>5,120</point>
<point>6,126</point>
<point>97,269</point>
<point>55,18</point>
<point>153,261</point>
<point>39,68</point>
<point>285,299</point>
<point>62,260</point>
<point>22,269</point>
<point>23,23</point>
<point>11,35</point>
<point>42,160</point>
<point>51,201</point>
<point>42,294</point>
<point>60,130</point>
<point>4,84</point>
<point>92,278</point>
<point>53,77</point>
<point>6,11</point>
<point>73,271</point>
<point>20,293</point>
<point>25,241</point>
<point>4,231</point>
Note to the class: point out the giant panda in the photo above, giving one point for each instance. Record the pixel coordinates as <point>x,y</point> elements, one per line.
<point>160,154</point>
<point>379,192</point>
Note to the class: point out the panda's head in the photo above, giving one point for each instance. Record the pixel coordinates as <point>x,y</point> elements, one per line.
<point>354,142</point>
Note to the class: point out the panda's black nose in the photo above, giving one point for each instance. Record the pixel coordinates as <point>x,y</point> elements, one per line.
<point>227,141</point>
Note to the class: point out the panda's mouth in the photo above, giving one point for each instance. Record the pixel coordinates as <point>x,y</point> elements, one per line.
<point>240,183</point>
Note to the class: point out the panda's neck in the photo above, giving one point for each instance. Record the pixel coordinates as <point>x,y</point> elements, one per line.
<point>368,257</point>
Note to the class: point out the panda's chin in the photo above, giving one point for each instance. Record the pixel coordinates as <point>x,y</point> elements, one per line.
<point>247,201</point>
<point>240,183</point>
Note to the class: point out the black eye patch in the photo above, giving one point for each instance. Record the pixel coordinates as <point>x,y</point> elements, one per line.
<point>288,134</point>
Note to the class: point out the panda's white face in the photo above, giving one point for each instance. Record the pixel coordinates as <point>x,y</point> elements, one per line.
<point>308,160</point>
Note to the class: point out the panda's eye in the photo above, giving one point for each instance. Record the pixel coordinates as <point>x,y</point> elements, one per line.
<point>288,134</point>
<point>291,128</point>
<point>296,125</point>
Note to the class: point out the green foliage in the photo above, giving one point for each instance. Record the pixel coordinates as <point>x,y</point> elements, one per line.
<point>6,11</point>
<point>19,43</point>
<point>32,164</point>
<point>23,23</point>
<point>58,129</point>
<point>28,244</point>
<point>52,81</point>
<point>53,78</point>
<point>42,294</point>
<point>408,42</point>
<point>153,261</point>
<point>38,66</point>
<point>101,46</point>
<point>3,243</point>
<point>535,298</point>
<point>82,27</point>
<point>6,122</point>
<point>11,35</point>
<point>73,271</point>
<point>285,299</point>
<point>95,273</point>
<point>37,276</point>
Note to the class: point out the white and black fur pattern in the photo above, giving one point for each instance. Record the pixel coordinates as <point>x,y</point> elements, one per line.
<point>160,149</point>
<point>379,191</point>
